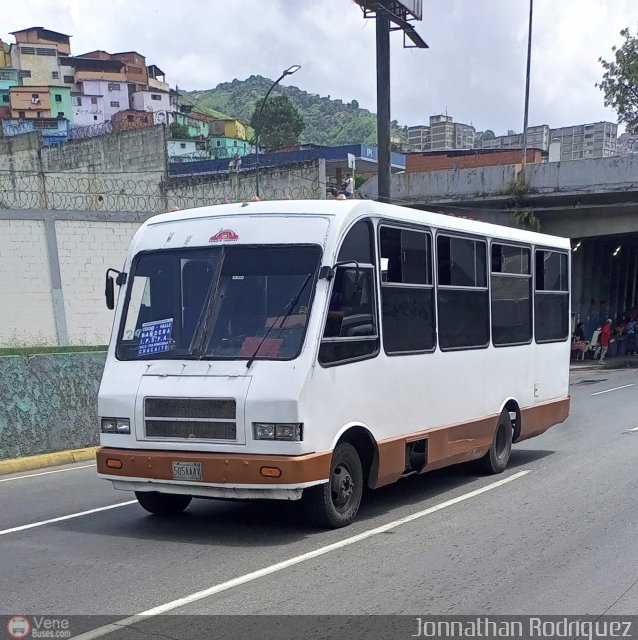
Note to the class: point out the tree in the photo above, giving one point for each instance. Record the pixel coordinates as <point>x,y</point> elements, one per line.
<point>278,125</point>
<point>620,81</point>
<point>488,134</point>
<point>179,131</point>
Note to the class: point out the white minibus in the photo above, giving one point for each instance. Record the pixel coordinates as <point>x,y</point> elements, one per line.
<point>308,349</point>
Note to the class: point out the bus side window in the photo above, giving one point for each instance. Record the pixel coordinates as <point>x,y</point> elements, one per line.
<point>407,291</point>
<point>351,328</point>
<point>351,324</point>
<point>462,292</point>
<point>511,294</point>
<point>551,296</point>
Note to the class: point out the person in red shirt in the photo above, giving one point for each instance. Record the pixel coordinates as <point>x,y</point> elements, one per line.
<point>605,337</point>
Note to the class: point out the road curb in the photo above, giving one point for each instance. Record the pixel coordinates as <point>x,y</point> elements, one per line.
<point>29,463</point>
<point>612,363</point>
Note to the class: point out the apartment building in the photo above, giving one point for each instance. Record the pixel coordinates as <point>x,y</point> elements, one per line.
<point>537,138</point>
<point>447,134</point>
<point>594,140</point>
<point>419,138</point>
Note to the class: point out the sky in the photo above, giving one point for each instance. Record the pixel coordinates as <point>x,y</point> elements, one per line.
<point>474,69</point>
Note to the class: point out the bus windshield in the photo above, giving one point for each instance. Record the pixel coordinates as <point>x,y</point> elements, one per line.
<point>218,303</point>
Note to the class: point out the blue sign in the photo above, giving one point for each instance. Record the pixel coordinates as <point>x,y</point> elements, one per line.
<point>156,337</point>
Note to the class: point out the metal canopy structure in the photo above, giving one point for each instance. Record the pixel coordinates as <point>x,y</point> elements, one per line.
<point>400,13</point>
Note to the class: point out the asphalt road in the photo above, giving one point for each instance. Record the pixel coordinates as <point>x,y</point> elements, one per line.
<point>560,538</point>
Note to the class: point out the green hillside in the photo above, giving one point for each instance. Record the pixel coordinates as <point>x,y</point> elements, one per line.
<point>327,122</point>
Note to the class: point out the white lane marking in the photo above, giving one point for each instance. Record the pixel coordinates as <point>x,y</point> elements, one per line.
<point>46,473</point>
<point>69,517</point>
<point>624,386</point>
<point>279,566</point>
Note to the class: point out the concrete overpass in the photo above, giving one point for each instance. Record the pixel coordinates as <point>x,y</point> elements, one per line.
<point>594,202</point>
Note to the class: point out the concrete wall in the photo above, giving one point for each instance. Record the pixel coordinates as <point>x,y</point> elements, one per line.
<point>25,286</point>
<point>53,266</point>
<point>126,172</point>
<point>573,178</point>
<point>597,175</point>
<point>140,150</point>
<point>85,252</point>
<point>49,402</point>
<point>446,186</point>
<point>301,181</point>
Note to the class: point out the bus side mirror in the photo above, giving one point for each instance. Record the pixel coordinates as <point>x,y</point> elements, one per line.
<point>109,287</point>
<point>109,292</point>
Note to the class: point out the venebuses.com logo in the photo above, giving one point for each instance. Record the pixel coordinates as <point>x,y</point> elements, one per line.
<point>19,627</point>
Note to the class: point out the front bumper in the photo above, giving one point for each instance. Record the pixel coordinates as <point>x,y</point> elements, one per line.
<point>223,475</point>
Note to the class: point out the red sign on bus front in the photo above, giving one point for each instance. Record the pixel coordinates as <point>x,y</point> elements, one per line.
<point>224,235</point>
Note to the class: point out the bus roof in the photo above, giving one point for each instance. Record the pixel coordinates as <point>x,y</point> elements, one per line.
<point>345,212</point>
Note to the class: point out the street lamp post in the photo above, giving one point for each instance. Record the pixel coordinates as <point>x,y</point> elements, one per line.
<point>288,72</point>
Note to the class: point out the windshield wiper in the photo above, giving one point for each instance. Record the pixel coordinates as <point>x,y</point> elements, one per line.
<point>284,315</point>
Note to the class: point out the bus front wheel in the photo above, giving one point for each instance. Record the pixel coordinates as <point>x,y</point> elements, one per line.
<point>162,504</point>
<point>498,456</point>
<point>335,503</point>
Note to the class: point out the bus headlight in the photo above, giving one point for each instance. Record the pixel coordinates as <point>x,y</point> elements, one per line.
<point>290,431</point>
<point>116,425</point>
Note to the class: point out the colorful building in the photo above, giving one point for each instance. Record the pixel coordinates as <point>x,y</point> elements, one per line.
<point>111,97</point>
<point>30,102</point>
<point>8,78</point>
<point>5,54</point>
<point>228,128</point>
<point>36,54</point>
<point>53,130</point>
<point>188,148</point>
<point>228,147</point>
<point>60,99</point>
<point>196,127</point>
<point>40,102</point>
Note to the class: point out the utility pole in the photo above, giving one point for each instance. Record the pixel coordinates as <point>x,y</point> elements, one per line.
<point>400,13</point>
<point>383,102</point>
<point>529,60</point>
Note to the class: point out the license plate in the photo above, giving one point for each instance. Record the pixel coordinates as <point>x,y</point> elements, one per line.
<point>191,471</point>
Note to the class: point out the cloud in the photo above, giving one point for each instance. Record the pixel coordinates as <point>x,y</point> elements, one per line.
<point>474,69</point>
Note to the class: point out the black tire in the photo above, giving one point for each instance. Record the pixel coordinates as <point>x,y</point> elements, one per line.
<point>163,504</point>
<point>335,504</point>
<point>498,457</point>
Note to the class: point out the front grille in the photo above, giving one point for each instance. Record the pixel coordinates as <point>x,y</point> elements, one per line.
<point>190,408</point>
<point>190,418</point>
<point>191,430</point>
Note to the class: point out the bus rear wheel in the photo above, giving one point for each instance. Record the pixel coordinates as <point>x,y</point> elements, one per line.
<point>498,456</point>
<point>335,504</point>
<point>163,504</point>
